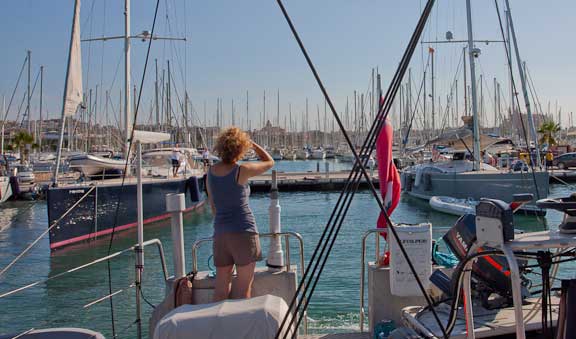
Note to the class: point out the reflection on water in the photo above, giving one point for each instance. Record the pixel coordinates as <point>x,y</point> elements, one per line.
<point>60,302</point>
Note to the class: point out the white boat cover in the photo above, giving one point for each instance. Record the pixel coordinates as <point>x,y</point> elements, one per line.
<point>147,137</point>
<point>258,317</point>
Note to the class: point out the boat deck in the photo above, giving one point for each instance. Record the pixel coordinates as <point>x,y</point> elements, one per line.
<point>498,323</point>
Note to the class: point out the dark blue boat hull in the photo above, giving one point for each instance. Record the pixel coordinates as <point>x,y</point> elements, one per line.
<point>109,208</point>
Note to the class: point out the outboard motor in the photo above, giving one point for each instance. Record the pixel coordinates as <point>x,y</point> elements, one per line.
<point>492,225</point>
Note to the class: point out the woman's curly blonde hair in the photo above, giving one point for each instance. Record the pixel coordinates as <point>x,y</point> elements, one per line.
<point>232,144</point>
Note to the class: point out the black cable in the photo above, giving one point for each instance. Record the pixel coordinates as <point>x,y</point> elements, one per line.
<point>456,290</point>
<point>509,58</point>
<point>126,167</point>
<point>144,297</point>
<point>379,122</point>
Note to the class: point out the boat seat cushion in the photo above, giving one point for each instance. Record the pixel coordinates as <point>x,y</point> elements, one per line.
<point>258,317</point>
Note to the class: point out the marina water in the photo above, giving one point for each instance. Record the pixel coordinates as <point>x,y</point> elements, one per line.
<point>60,302</point>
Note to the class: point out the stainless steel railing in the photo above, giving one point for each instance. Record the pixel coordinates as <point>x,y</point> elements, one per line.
<point>376,231</point>
<point>286,236</point>
<point>156,242</point>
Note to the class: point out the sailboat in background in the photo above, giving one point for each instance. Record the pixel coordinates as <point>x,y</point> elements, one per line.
<point>462,178</point>
<point>95,208</point>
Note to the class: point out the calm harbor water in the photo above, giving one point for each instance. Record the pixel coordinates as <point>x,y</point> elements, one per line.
<point>62,302</point>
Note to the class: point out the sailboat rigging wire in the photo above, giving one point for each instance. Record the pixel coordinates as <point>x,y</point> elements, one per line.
<point>452,87</point>
<point>14,91</point>
<point>121,193</point>
<point>509,58</point>
<point>532,88</point>
<point>29,109</point>
<point>378,123</point>
<point>54,224</point>
<point>413,115</point>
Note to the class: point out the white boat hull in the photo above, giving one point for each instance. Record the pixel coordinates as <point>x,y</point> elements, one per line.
<point>91,165</point>
<point>318,155</point>
<point>301,155</point>
<point>453,206</point>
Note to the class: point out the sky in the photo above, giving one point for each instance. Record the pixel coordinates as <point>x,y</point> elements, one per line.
<point>237,46</point>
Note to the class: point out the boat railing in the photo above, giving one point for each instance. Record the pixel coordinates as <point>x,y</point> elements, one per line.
<point>377,232</point>
<point>287,263</point>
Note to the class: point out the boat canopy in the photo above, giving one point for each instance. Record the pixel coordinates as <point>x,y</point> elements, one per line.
<point>462,138</point>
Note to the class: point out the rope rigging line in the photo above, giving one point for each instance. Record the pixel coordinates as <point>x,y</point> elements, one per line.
<point>377,125</point>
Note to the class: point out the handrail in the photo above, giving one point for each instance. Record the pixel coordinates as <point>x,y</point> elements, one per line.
<point>363,267</point>
<point>285,235</point>
<point>156,242</point>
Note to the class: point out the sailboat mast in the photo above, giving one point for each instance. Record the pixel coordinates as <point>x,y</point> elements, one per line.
<point>127,91</point>
<point>471,56</point>
<point>29,94</point>
<point>465,81</point>
<point>524,86</point>
<point>156,102</point>
<point>432,89</point>
<point>40,109</point>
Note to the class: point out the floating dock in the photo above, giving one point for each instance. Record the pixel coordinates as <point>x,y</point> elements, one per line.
<point>562,176</point>
<point>307,181</point>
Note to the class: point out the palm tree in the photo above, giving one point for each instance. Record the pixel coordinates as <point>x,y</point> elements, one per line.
<point>23,141</point>
<point>548,129</point>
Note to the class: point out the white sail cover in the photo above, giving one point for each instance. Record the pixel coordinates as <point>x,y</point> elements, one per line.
<point>73,87</point>
<point>147,137</point>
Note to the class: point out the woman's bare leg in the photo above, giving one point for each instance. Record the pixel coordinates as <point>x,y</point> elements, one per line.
<point>223,279</point>
<point>242,286</point>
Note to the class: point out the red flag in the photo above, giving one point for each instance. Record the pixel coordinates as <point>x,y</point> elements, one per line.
<point>388,174</point>
<point>389,179</point>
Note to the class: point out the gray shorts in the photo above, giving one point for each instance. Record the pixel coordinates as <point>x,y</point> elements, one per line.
<point>239,249</point>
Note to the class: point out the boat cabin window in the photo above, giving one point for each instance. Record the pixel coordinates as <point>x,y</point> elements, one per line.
<point>459,156</point>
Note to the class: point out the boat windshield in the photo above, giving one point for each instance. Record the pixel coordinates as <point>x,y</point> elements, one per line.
<point>156,160</point>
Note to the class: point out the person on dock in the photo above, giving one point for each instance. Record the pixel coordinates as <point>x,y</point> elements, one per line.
<point>206,158</point>
<point>236,240</point>
<point>175,158</point>
<point>549,159</point>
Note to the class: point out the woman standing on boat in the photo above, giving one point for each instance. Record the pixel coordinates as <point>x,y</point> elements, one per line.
<point>236,240</point>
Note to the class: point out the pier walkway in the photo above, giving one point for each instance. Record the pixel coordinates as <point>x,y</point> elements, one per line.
<point>307,181</point>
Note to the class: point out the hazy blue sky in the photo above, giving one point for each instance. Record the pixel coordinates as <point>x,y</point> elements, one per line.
<point>235,46</point>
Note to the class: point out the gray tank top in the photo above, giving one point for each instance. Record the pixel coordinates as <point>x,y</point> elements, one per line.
<point>233,214</point>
